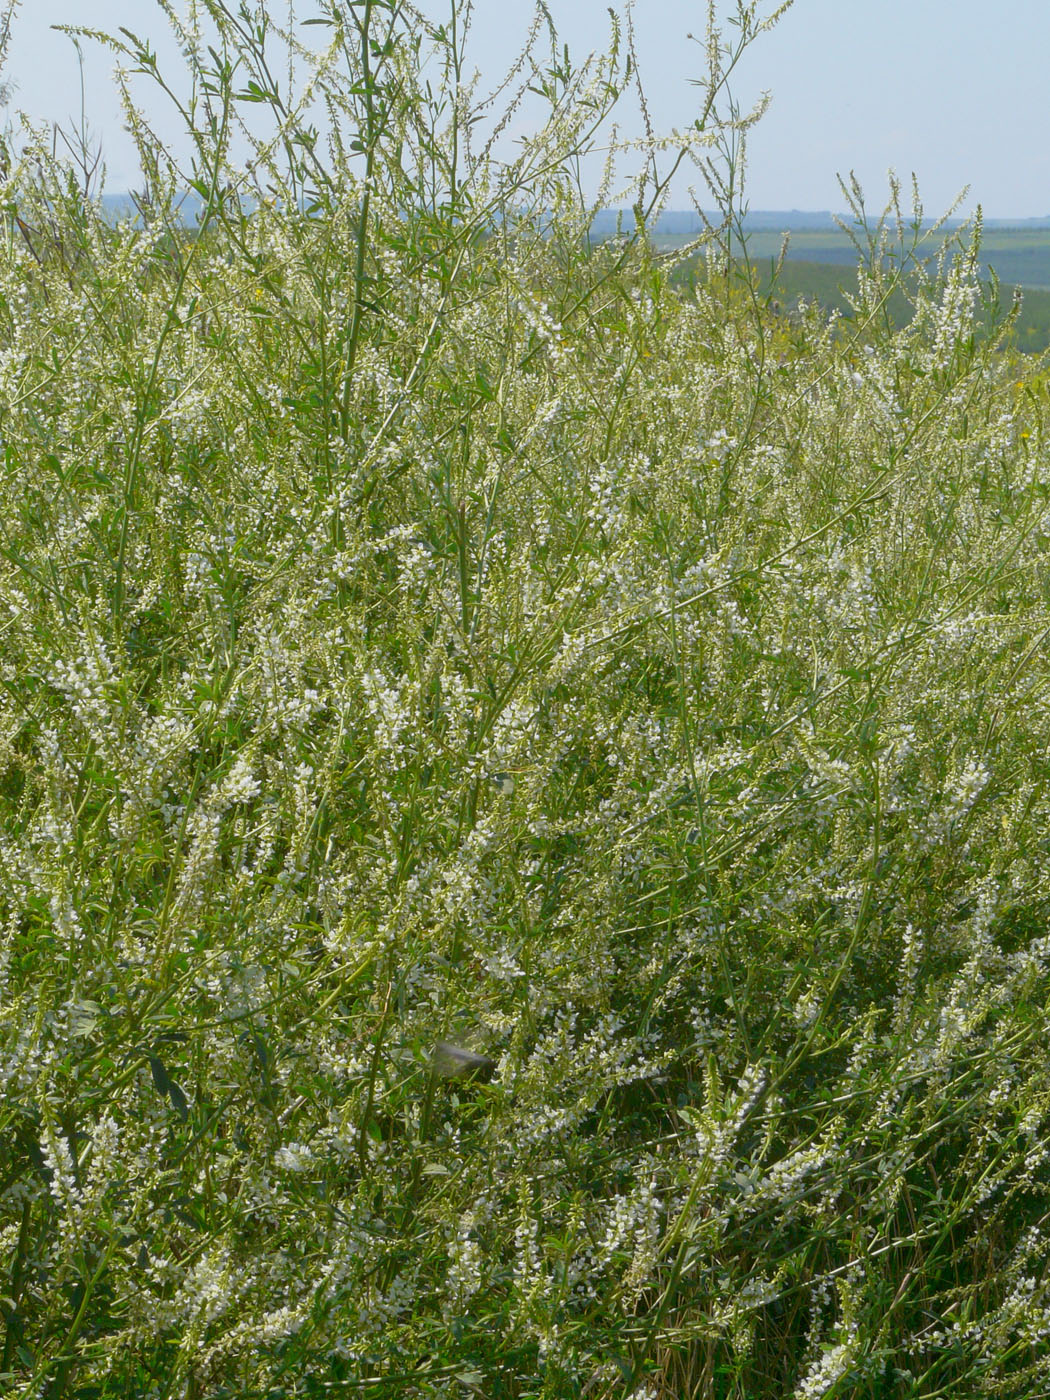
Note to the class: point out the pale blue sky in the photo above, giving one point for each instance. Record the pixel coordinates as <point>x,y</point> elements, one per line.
<point>955,90</point>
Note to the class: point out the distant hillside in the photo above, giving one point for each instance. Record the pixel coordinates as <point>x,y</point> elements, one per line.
<point>672,223</point>
<point>830,285</point>
<point>122,206</point>
<point>677,222</point>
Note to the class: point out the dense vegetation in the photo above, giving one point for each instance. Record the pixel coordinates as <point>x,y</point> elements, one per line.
<point>425,638</point>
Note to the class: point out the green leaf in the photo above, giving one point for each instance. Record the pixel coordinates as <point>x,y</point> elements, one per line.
<point>166,1085</point>
<point>178,1100</point>
<point>160,1075</point>
<point>254,93</point>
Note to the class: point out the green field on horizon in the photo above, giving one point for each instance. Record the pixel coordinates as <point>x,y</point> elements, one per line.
<point>1020,257</point>
<point>820,265</point>
<point>830,285</point>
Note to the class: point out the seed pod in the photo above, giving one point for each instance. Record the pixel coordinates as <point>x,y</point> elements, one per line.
<point>453,1062</point>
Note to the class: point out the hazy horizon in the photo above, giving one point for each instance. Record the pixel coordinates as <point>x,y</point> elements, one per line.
<point>795,218</point>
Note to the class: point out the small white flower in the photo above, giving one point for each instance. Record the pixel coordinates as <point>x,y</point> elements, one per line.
<point>293,1157</point>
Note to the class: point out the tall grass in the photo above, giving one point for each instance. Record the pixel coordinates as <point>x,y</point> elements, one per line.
<point>426,633</point>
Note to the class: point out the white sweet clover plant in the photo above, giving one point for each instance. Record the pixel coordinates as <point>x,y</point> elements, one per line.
<point>422,624</point>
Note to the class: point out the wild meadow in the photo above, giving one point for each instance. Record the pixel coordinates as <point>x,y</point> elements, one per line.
<point>524,805</point>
